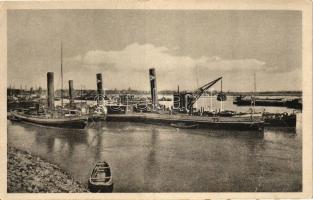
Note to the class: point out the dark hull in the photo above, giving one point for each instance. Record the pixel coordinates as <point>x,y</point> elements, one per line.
<point>259,103</point>
<point>100,188</point>
<point>96,118</point>
<point>201,123</point>
<point>285,121</point>
<point>73,123</point>
<point>294,105</point>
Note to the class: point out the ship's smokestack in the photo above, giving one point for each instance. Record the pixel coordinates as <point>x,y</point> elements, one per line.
<point>50,86</point>
<point>71,92</point>
<point>100,91</point>
<point>154,93</point>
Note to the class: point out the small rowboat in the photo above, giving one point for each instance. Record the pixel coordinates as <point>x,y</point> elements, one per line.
<point>101,178</point>
<point>185,126</point>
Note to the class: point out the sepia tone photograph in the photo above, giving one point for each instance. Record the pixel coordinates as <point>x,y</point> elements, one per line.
<point>154,101</point>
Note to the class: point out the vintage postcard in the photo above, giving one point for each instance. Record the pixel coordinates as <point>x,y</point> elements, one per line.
<point>156,99</point>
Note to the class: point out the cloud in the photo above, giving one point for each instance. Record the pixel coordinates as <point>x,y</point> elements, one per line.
<point>132,63</point>
<point>140,57</point>
<point>128,67</point>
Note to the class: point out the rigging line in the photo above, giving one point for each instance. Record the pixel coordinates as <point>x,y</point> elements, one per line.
<point>61,76</point>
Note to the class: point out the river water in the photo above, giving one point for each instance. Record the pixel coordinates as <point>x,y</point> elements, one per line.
<point>152,158</point>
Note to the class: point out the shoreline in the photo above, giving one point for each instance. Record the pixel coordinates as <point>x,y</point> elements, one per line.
<point>27,173</point>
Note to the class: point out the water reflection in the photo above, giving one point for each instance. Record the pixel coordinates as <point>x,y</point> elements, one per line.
<point>151,158</point>
<point>152,170</point>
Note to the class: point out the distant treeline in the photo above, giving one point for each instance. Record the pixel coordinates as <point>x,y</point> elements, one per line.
<point>87,92</point>
<point>263,93</point>
<point>268,93</point>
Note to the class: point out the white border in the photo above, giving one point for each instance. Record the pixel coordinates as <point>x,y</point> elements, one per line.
<point>302,5</point>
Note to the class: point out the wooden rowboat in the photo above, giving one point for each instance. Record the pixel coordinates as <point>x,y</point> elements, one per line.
<point>101,178</point>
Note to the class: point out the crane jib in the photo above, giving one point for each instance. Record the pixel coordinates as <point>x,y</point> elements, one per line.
<point>197,94</point>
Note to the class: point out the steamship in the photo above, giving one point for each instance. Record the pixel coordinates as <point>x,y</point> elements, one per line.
<point>51,116</point>
<point>60,118</point>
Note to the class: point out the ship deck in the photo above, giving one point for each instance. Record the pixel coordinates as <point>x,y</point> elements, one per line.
<point>236,123</point>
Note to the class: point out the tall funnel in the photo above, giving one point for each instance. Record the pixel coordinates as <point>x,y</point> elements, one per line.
<point>71,92</point>
<point>153,86</point>
<point>100,92</point>
<point>50,86</point>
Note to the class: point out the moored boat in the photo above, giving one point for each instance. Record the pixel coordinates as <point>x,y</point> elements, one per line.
<point>78,122</point>
<point>280,119</point>
<point>184,126</point>
<point>101,178</point>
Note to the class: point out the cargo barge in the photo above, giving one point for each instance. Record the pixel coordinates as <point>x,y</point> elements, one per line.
<point>246,101</point>
<point>270,119</point>
<point>275,102</point>
<point>233,123</point>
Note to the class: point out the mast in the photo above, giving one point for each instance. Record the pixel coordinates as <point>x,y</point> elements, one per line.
<point>254,82</point>
<point>197,78</point>
<point>253,95</point>
<point>222,93</point>
<point>211,96</point>
<point>254,91</point>
<point>10,90</point>
<point>81,95</point>
<point>61,77</point>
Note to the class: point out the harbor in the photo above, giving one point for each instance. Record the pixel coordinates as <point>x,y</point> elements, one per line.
<point>144,132</point>
<point>182,109</point>
<point>154,101</point>
<point>183,114</point>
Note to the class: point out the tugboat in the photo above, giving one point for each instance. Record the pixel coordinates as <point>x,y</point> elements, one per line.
<point>52,116</point>
<point>101,178</point>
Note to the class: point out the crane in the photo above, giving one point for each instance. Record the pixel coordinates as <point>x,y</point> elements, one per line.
<point>197,94</point>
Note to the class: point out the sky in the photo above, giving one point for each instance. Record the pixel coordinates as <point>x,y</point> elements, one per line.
<point>186,47</point>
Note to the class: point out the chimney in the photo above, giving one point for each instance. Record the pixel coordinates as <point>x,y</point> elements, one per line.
<point>154,93</point>
<point>50,86</point>
<point>100,92</point>
<point>71,92</point>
